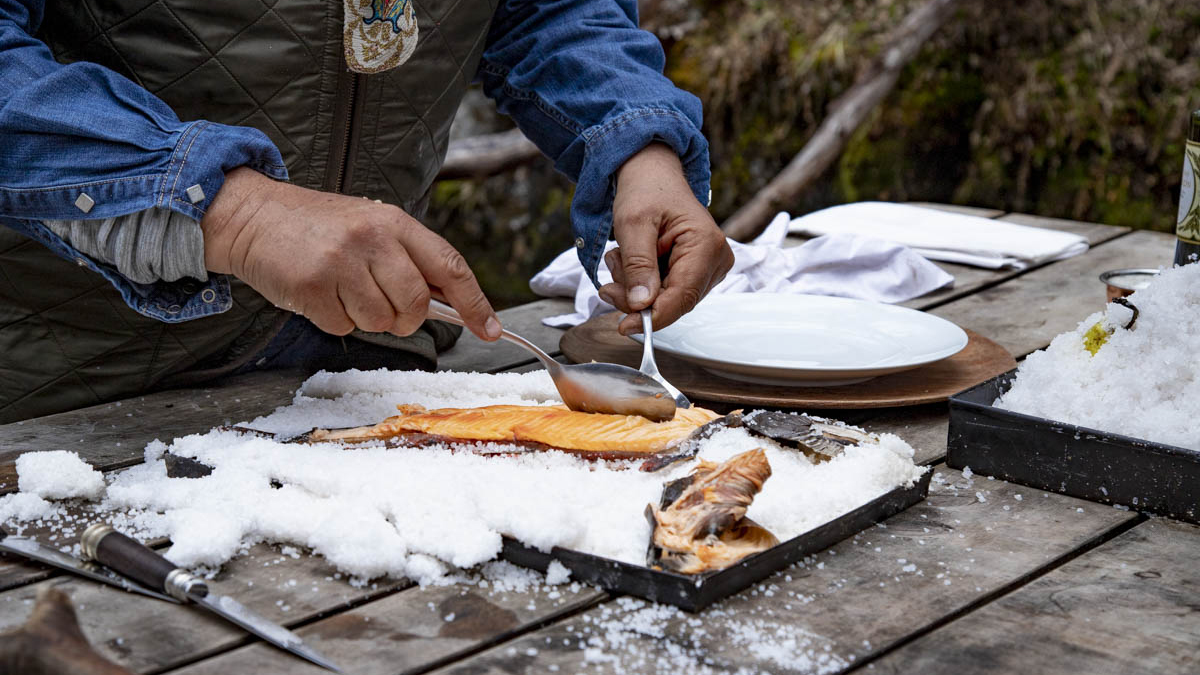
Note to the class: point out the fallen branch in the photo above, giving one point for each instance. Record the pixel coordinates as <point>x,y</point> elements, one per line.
<point>846,115</point>
<point>487,155</point>
<point>51,642</point>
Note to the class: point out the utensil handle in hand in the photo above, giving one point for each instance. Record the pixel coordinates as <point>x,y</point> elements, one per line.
<point>125,555</point>
<point>441,311</point>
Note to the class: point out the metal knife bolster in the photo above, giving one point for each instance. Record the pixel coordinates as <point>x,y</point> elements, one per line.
<point>31,549</point>
<point>102,543</point>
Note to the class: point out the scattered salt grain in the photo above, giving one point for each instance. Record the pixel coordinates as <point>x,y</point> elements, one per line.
<point>58,474</point>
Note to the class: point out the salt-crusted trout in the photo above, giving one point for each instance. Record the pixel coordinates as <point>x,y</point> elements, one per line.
<point>700,524</point>
<point>606,436</point>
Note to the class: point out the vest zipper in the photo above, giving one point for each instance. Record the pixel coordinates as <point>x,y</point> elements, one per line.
<point>344,134</point>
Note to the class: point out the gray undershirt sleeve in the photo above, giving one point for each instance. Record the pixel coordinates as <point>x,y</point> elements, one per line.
<point>148,246</point>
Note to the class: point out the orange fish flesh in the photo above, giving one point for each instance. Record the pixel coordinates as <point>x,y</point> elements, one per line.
<point>609,436</point>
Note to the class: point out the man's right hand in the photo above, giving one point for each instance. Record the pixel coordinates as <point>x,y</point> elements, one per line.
<point>343,262</point>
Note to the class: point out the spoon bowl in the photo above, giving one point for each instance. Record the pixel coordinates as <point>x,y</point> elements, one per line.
<point>589,387</point>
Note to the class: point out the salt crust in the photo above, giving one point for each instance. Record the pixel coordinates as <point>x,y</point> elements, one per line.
<point>58,474</point>
<point>1144,382</point>
<point>420,513</point>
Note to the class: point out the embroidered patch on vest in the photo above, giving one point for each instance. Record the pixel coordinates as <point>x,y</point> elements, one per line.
<point>378,34</point>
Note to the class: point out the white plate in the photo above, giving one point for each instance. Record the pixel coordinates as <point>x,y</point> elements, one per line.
<point>807,340</point>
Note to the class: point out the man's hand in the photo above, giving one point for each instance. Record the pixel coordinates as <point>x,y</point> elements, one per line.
<point>655,213</point>
<point>343,262</point>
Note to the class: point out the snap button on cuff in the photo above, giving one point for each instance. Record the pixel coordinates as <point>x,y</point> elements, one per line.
<point>196,193</point>
<point>578,242</point>
<point>84,203</point>
<point>174,309</point>
<point>208,295</point>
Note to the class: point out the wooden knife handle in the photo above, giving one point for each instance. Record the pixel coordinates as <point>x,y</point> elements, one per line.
<point>125,555</point>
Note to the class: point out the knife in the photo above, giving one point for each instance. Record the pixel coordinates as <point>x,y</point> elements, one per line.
<point>30,548</point>
<point>104,544</point>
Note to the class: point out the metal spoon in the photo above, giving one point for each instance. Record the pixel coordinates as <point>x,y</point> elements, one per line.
<point>649,367</point>
<point>590,387</point>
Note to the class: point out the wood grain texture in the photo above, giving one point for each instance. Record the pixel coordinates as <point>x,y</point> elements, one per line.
<point>112,435</point>
<point>471,354</point>
<point>1025,313</point>
<point>848,603</point>
<point>598,339</point>
<point>411,631</point>
<point>142,634</point>
<point>1130,606</point>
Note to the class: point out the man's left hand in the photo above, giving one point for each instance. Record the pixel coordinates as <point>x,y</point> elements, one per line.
<point>656,214</point>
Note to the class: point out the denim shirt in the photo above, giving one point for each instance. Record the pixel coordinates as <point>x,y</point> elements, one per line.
<point>578,77</point>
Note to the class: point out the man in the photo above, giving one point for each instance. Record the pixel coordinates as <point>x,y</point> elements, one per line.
<point>145,145</point>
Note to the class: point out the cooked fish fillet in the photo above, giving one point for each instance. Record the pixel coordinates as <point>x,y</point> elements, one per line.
<point>552,426</point>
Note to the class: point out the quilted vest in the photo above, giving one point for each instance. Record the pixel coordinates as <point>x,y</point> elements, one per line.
<point>276,65</point>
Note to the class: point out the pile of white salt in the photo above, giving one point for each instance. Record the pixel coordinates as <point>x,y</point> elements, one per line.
<point>1143,382</point>
<point>423,512</point>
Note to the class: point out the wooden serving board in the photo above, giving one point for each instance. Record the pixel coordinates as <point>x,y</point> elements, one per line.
<point>598,340</point>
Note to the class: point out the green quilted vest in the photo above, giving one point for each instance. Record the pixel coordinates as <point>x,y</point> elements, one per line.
<point>276,65</point>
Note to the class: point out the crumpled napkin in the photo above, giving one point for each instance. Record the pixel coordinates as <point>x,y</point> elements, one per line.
<point>844,265</point>
<point>940,235</point>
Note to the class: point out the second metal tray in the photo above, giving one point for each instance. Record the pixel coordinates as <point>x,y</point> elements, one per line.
<point>1097,465</point>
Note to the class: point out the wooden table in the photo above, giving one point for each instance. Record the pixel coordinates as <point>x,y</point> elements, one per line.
<point>984,576</point>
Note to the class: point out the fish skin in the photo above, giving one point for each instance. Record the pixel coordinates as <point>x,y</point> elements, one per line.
<point>701,526</point>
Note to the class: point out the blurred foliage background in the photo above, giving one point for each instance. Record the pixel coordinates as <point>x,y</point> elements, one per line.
<point>1068,108</point>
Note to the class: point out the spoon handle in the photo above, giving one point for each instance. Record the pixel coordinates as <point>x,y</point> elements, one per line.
<point>648,366</point>
<point>443,312</point>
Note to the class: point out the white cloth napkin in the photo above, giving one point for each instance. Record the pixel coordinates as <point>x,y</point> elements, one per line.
<point>844,265</point>
<point>940,235</point>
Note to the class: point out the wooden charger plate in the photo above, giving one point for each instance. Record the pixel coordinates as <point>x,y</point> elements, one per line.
<point>598,340</point>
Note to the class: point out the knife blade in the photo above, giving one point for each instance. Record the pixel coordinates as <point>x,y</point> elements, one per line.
<point>32,549</point>
<point>112,548</point>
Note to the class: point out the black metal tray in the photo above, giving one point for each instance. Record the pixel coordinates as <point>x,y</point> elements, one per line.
<point>1097,465</point>
<point>695,592</point>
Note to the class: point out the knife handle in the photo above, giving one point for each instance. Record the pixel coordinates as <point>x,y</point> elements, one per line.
<point>102,543</point>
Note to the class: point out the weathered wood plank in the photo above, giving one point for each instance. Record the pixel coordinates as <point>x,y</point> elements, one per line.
<point>411,631</point>
<point>923,427</point>
<point>940,558</point>
<point>1129,606</point>
<point>112,435</point>
<point>146,634</point>
<point>473,354</point>
<point>1025,313</point>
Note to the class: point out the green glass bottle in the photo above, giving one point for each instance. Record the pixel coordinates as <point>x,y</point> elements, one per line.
<point>1187,227</point>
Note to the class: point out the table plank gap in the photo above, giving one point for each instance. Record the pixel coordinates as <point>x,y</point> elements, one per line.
<point>1128,606</point>
<point>1001,591</point>
<point>509,637</point>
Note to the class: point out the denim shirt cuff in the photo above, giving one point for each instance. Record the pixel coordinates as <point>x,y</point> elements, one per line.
<point>202,154</point>
<point>608,146</point>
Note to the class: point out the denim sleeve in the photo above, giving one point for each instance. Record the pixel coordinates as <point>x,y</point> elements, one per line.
<point>585,84</point>
<point>80,141</point>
